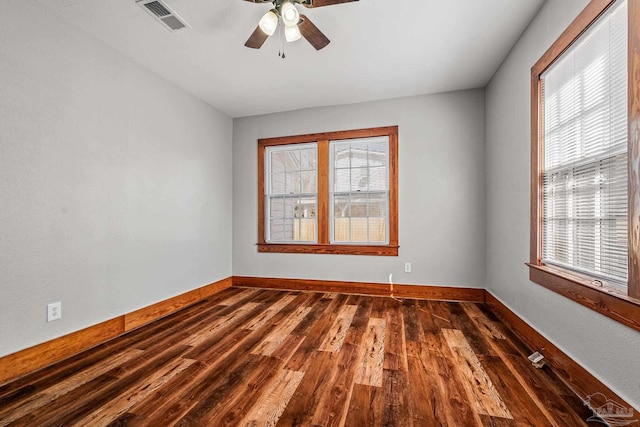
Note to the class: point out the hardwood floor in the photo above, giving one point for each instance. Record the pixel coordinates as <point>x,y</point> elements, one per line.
<point>255,357</point>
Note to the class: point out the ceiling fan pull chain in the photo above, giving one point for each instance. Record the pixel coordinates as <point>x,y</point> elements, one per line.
<point>282,40</point>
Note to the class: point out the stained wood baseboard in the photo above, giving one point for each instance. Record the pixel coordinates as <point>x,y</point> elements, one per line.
<point>359,288</point>
<point>163,308</point>
<point>33,358</point>
<point>582,382</point>
<point>442,293</point>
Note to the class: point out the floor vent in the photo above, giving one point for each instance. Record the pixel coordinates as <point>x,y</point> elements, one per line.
<point>163,14</point>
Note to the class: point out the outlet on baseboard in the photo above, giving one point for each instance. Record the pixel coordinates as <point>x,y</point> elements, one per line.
<point>54,311</point>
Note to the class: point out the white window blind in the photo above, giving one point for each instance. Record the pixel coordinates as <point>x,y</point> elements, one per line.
<point>291,197</point>
<point>585,152</point>
<point>359,171</point>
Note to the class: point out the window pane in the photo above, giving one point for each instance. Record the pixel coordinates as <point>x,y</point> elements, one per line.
<point>291,171</point>
<point>277,183</point>
<point>342,156</point>
<point>306,208</point>
<point>305,230</point>
<point>341,207</point>
<point>277,161</point>
<point>342,180</point>
<point>277,207</point>
<point>341,231</point>
<point>293,183</point>
<point>359,155</point>
<point>290,204</point>
<point>277,230</point>
<point>293,219</point>
<point>378,179</point>
<point>377,229</point>
<point>309,182</point>
<point>308,159</point>
<point>292,160</point>
<point>360,196</point>
<point>359,205</point>
<point>378,153</point>
<point>359,179</point>
<point>288,229</point>
<point>377,205</point>
<point>359,230</point>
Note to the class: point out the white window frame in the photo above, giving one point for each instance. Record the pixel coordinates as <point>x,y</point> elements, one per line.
<point>268,194</point>
<point>332,192</point>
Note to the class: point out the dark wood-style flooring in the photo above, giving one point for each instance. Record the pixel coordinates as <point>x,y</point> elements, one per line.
<point>262,357</point>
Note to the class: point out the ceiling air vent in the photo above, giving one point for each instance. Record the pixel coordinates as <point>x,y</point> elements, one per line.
<point>163,14</point>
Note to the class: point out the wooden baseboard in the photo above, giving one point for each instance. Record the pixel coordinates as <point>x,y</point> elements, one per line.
<point>153,312</point>
<point>583,383</point>
<point>33,358</point>
<point>39,356</point>
<point>363,288</point>
<point>440,293</point>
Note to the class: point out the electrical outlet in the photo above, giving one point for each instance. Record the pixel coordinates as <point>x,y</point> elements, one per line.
<point>54,311</point>
<point>407,267</point>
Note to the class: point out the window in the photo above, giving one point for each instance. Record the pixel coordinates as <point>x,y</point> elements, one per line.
<point>291,193</point>
<point>333,193</point>
<point>584,174</point>
<point>581,147</point>
<point>359,171</point>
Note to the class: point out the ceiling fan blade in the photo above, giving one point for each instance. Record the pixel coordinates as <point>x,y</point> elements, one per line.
<point>313,35</point>
<point>257,39</point>
<point>320,3</point>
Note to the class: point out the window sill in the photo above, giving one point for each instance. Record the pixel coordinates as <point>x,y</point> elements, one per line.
<point>382,250</point>
<point>608,302</point>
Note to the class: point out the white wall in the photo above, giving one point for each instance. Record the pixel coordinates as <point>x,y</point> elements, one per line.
<point>115,186</point>
<point>604,347</point>
<point>441,194</point>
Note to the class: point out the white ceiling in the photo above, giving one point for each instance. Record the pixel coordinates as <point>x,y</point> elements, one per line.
<point>379,49</point>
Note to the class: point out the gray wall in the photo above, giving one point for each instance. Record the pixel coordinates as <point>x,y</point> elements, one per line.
<point>441,194</point>
<point>604,347</point>
<point>115,186</point>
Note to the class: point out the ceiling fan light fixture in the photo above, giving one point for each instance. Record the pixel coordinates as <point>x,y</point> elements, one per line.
<point>290,15</point>
<point>269,22</point>
<point>292,33</point>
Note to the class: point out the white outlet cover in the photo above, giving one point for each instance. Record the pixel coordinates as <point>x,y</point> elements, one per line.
<point>407,267</point>
<point>54,311</point>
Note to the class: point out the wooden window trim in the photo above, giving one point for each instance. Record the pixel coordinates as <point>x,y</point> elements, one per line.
<point>579,288</point>
<point>324,246</point>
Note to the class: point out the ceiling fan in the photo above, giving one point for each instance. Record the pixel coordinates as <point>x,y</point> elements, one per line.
<point>295,24</point>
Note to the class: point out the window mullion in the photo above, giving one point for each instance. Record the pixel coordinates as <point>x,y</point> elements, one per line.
<point>323,192</point>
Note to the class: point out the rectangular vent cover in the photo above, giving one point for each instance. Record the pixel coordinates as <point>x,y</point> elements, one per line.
<point>163,14</point>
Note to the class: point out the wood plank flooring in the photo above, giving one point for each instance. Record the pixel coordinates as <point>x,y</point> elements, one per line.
<point>247,357</point>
